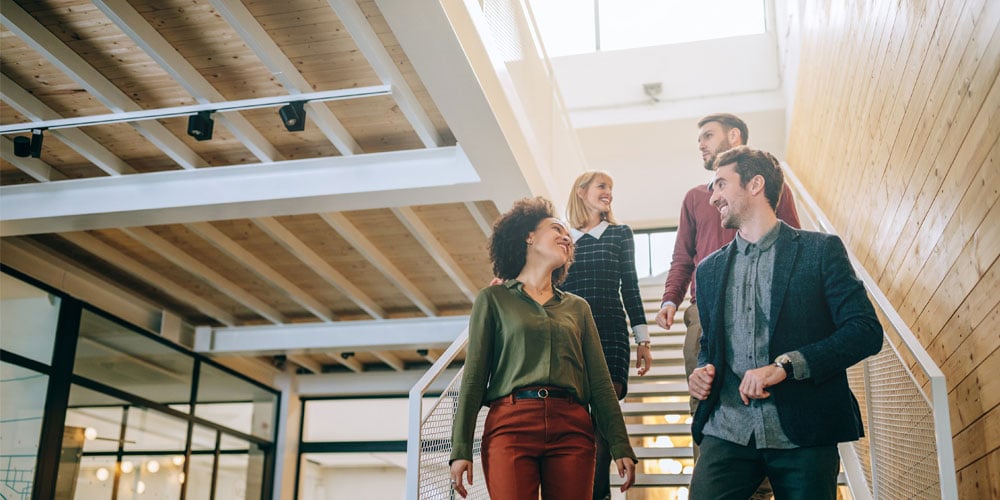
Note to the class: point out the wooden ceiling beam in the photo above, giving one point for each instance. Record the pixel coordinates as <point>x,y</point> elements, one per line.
<point>365,247</point>
<point>324,270</point>
<point>33,108</point>
<point>390,359</point>
<point>350,362</point>
<point>371,47</point>
<point>432,355</point>
<point>246,25</point>
<point>251,262</point>
<point>74,66</point>
<point>437,251</point>
<point>306,362</point>
<point>33,167</point>
<point>192,265</point>
<point>160,50</point>
<point>147,275</point>
<point>480,218</point>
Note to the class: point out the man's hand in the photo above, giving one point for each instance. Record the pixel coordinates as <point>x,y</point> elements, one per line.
<point>665,318</point>
<point>643,359</point>
<point>458,467</point>
<point>700,382</point>
<point>626,469</point>
<point>757,380</point>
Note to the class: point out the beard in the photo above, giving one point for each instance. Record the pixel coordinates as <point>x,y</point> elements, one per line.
<point>723,146</point>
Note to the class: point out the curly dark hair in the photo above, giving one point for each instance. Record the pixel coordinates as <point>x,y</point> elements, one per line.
<point>508,244</point>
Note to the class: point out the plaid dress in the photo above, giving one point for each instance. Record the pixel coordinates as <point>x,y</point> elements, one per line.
<point>603,273</point>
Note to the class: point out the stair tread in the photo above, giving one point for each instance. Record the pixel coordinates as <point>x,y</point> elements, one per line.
<point>635,409</point>
<point>655,480</point>
<point>646,453</point>
<point>658,429</point>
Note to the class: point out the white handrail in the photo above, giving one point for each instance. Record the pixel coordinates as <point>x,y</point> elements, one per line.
<point>938,386</point>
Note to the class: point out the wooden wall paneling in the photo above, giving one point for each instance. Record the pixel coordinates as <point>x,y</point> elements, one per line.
<point>921,156</point>
<point>976,394</point>
<point>962,151</point>
<point>981,479</point>
<point>977,207</point>
<point>972,335</point>
<point>978,439</point>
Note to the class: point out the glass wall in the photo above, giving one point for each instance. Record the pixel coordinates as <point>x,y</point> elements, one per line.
<point>93,408</point>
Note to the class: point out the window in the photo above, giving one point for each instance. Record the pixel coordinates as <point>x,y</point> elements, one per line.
<point>654,249</point>
<point>579,26</point>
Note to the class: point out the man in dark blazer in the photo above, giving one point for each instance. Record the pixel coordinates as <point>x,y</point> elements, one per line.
<point>783,316</point>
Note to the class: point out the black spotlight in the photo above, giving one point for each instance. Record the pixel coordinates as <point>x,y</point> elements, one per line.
<point>24,147</point>
<point>293,115</point>
<point>200,126</point>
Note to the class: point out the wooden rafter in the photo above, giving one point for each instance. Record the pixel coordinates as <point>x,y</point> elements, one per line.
<point>297,247</point>
<point>390,359</point>
<point>144,273</point>
<point>378,259</point>
<point>37,169</point>
<point>436,250</point>
<point>192,265</point>
<point>58,53</point>
<point>159,49</point>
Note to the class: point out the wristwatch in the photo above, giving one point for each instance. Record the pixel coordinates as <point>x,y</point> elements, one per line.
<point>785,363</point>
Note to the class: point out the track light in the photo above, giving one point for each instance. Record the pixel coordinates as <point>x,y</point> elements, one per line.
<point>200,125</point>
<point>25,147</point>
<point>293,115</point>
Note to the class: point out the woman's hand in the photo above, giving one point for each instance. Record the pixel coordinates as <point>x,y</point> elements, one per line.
<point>626,469</point>
<point>643,358</point>
<point>457,469</point>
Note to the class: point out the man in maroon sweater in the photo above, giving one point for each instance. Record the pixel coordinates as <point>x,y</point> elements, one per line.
<point>700,232</point>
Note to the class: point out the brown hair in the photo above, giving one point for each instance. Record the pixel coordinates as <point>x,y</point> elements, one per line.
<point>728,122</point>
<point>508,245</point>
<point>751,163</point>
<point>576,211</point>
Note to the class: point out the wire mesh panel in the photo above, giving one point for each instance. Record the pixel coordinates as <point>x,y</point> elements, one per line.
<point>856,378</point>
<point>435,449</point>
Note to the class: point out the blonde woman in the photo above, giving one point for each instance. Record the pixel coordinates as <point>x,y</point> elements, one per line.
<point>603,273</point>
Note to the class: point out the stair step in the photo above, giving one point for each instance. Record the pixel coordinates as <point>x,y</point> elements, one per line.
<point>665,352</point>
<point>664,340</point>
<point>663,371</point>
<point>658,429</point>
<point>654,480</point>
<point>652,453</point>
<point>638,409</point>
<point>659,389</point>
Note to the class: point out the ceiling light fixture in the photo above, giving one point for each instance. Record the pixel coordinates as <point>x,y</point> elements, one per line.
<point>200,125</point>
<point>293,115</point>
<point>25,147</point>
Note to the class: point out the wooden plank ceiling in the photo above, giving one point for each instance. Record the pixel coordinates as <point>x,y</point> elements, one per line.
<point>76,58</point>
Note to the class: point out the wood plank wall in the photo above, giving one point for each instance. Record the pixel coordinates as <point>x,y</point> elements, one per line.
<point>895,133</point>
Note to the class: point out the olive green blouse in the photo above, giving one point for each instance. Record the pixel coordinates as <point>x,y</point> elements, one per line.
<point>515,342</point>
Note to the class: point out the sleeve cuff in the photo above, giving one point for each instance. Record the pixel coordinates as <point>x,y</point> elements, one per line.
<point>668,303</point>
<point>641,333</point>
<point>800,368</point>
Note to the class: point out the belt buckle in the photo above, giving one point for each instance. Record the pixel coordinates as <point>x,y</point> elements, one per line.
<point>543,393</point>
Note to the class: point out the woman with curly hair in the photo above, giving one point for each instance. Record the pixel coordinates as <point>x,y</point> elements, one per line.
<point>535,359</point>
<point>603,273</point>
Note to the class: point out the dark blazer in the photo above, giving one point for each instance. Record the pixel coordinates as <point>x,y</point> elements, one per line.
<point>820,308</point>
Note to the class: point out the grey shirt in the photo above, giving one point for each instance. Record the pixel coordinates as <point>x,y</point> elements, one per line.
<point>748,338</point>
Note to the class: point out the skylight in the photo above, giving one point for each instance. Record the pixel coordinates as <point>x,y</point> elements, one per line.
<point>572,26</point>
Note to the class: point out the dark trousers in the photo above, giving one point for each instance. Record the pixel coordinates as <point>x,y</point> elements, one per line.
<point>529,443</point>
<point>602,476</point>
<point>730,471</point>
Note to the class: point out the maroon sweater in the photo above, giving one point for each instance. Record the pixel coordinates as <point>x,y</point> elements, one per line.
<point>700,233</point>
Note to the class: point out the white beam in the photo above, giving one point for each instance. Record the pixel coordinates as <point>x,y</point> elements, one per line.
<point>69,62</point>
<point>233,250</point>
<point>375,256</point>
<point>352,336</point>
<point>369,383</point>
<point>390,359</point>
<point>682,109</point>
<point>372,48</point>
<point>462,81</point>
<point>246,25</point>
<point>146,37</point>
<point>147,275</point>
<point>324,270</point>
<point>480,218</point>
<point>35,168</point>
<point>210,276</point>
<point>240,191</point>
<point>36,110</point>
<point>437,251</point>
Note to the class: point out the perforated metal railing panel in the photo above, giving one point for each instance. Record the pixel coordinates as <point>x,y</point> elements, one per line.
<point>899,454</point>
<point>435,449</point>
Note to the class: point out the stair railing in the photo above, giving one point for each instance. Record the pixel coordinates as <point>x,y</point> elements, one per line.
<point>907,452</point>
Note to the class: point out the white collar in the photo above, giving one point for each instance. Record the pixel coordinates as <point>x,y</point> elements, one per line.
<point>596,231</point>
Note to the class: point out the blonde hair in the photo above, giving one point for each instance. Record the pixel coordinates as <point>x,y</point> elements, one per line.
<point>576,210</point>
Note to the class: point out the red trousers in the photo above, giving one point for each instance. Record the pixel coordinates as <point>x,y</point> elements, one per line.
<point>529,443</point>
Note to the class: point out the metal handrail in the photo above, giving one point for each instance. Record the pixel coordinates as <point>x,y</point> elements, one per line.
<point>938,387</point>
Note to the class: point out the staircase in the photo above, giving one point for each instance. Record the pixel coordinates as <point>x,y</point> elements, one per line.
<point>657,413</point>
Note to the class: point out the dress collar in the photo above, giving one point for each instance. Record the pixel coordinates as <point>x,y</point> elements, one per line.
<point>596,231</point>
